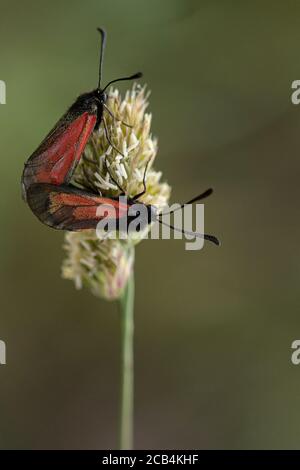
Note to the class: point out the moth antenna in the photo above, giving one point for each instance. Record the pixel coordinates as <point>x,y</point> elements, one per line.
<point>206,193</point>
<point>132,77</point>
<point>205,236</point>
<point>102,48</point>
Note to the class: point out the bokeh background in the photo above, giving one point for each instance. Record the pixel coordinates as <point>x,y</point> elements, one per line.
<point>213,328</point>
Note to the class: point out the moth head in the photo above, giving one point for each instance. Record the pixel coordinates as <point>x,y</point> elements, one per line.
<point>100,95</point>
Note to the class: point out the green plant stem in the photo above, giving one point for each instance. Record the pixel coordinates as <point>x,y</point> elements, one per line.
<point>127,366</point>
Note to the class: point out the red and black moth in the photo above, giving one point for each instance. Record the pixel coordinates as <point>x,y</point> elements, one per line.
<point>47,173</point>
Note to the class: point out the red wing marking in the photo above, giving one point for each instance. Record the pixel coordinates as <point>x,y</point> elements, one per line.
<point>68,208</point>
<point>56,158</point>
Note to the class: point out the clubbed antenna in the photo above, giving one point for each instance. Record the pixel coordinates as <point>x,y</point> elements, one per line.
<point>102,48</point>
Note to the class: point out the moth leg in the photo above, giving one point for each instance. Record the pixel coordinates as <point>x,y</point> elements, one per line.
<point>87,176</point>
<point>137,196</point>
<point>108,170</point>
<point>115,117</point>
<point>109,139</point>
<point>92,162</point>
<point>112,178</point>
<point>107,166</point>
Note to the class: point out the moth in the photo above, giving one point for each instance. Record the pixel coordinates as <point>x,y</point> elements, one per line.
<point>56,158</point>
<point>47,173</point>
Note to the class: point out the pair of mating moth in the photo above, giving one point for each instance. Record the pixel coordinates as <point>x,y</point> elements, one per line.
<point>47,173</point>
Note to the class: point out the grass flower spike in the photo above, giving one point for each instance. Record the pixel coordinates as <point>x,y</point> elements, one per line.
<point>104,266</point>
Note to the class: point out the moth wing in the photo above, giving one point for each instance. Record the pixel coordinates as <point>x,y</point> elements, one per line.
<point>56,158</point>
<point>68,208</point>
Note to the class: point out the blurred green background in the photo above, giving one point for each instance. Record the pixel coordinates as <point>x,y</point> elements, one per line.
<point>213,328</point>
